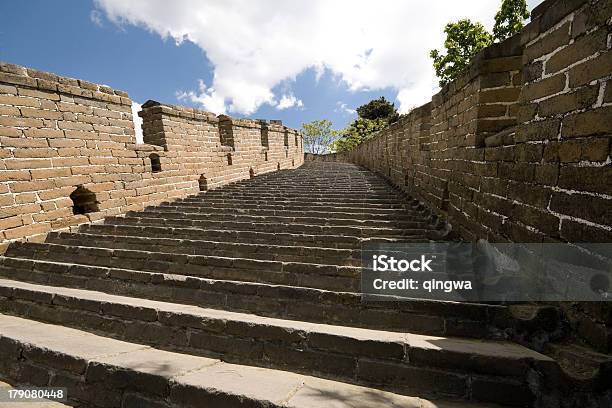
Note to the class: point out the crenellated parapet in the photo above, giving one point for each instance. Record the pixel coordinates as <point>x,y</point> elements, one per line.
<point>68,152</point>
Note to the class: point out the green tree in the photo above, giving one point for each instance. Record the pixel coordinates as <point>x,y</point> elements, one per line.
<point>379,108</point>
<point>509,18</point>
<point>357,132</point>
<point>464,40</point>
<point>319,136</point>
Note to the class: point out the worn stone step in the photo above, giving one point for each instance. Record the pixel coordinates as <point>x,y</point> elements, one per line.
<point>286,302</point>
<point>337,189</point>
<point>102,372</point>
<point>119,226</point>
<point>244,196</point>
<point>297,204</point>
<point>400,362</point>
<point>231,204</point>
<point>334,277</point>
<point>360,231</point>
<point>306,193</point>
<point>321,255</point>
<point>281,211</point>
<point>296,218</point>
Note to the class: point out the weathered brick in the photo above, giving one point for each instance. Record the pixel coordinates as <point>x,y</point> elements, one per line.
<point>593,179</point>
<point>590,70</point>
<point>547,174</point>
<point>541,220</point>
<point>548,43</point>
<point>544,87</point>
<point>540,130</point>
<point>583,47</point>
<point>21,186</point>
<point>499,95</point>
<point>574,231</point>
<point>27,230</point>
<point>586,207</point>
<point>23,142</point>
<point>20,122</point>
<point>40,113</point>
<point>44,132</point>
<point>567,102</point>
<point>593,122</point>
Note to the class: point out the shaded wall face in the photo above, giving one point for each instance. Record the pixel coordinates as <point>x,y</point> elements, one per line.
<point>58,134</point>
<point>518,148</point>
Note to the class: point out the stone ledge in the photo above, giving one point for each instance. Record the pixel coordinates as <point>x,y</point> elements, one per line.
<point>46,81</point>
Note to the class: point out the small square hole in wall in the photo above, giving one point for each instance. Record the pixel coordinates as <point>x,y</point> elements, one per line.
<point>278,166</point>
<point>229,159</point>
<point>155,163</point>
<point>203,181</point>
<point>251,173</point>
<point>83,201</point>
<point>266,156</point>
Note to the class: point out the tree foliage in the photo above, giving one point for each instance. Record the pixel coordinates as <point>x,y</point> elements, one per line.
<point>318,136</point>
<point>464,40</point>
<point>357,132</point>
<point>379,108</point>
<point>372,117</point>
<point>509,18</point>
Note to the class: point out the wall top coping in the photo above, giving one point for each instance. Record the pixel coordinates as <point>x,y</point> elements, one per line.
<point>46,81</point>
<point>185,112</point>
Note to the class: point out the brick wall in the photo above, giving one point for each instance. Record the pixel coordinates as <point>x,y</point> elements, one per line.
<point>57,134</point>
<point>518,148</point>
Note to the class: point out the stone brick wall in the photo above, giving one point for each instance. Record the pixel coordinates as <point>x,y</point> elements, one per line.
<point>518,148</point>
<point>58,134</point>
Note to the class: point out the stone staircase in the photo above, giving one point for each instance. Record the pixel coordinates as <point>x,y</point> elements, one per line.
<point>247,296</point>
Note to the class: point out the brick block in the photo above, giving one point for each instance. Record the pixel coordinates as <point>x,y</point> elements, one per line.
<point>548,43</point>
<point>541,220</point>
<point>582,48</point>
<point>586,207</point>
<point>590,70</point>
<point>567,102</point>
<point>540,130</point>
<point>593,122</point>
<point>593,179</point>
<point>544,87</point>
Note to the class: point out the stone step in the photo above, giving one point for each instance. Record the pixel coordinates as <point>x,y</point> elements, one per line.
<point>271,227</point>
<point>316,189</point>
<point>322,255</point>
<point>245,196</point>
<point>286,302</point>
<point>332,209</point>
<point>306,193</point>
<point>297,204</point>
<point>281,211</point>
<point>331,277</point>
<point>400,362</point>
<point>296,218</point>
<point>102,372</point>
<point>284,239</point>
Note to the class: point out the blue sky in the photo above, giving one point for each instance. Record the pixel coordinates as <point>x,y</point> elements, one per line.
<point>295,64</point>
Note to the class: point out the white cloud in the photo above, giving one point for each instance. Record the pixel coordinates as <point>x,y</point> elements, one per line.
<point>207,97</point>
<point>136,107</point>
<point>256,45</point>
<point>289,101</point>
<point>344,109</point>
<point>96,17</point>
